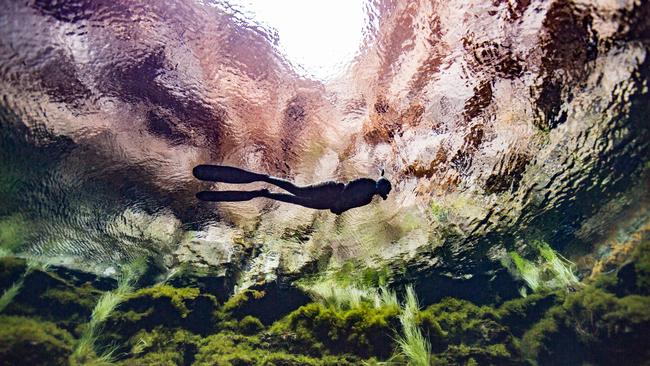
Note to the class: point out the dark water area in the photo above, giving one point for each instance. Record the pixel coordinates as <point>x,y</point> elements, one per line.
<point>515,135</point>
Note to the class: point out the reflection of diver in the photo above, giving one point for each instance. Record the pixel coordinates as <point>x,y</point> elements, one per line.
<point>337,197</point>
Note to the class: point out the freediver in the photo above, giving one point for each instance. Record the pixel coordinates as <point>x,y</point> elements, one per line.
<point>334,196</point>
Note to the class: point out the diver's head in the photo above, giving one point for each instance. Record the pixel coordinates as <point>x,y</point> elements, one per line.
<point>383,186</point>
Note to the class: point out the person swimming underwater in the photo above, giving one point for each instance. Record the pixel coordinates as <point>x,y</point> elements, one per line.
<point>334,196</point>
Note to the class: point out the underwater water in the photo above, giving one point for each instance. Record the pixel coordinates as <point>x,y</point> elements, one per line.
<point>516,136</point>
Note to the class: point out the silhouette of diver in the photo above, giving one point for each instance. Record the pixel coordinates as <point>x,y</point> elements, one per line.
<point>333,196</point>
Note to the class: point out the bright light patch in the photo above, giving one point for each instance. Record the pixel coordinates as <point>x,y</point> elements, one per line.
<point>320,36</point>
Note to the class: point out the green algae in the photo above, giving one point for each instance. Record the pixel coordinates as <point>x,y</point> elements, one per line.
<point>226,349</point>
<point>240,300</point>
<point>160,306</point>
<point>249,325</point>
<point>178,297</point>
<point>40,293</point>
<point>600,322</point>
<point>162,346</point>
<point>13,232</point>
<point>460,331</point>
<point>26,341</point>
<point>363,331</point>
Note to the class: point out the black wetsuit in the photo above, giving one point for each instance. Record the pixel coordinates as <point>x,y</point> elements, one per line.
<point>333,196</point>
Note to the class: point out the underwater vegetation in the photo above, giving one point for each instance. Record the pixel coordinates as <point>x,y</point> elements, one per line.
<point>548,269</point>
<point>515,133</point>
<point>73,321</point>
<point>85,350</point>
<point>412,343</point>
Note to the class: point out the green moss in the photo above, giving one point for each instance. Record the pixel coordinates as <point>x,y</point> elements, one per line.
<point>591,325</point>
<point>13,231</point>
<point>11,269</point>
<point>363,331</point>
<point>457,321</point>
<point>496,354</point>
<point>25,341</point>
<point>352,273</point>
<point>548,342</point>
<point>228,349</point>
<point>162,346</point>
<point>375,277</point>
<point>149,308</point>
<point>459,331</point>
<point>641,258</point>
<point>207,279</point>
<point>177,296</point>
<point>47,296</point>
<point>284,359</point>
<point>242,299</point>
<point>250,325</point>
<point>82,298</point>
<point>520,314</point>
<point>268,305</point>
<point>599,315</point>
<point>438,212</point>
<point>167,358</point>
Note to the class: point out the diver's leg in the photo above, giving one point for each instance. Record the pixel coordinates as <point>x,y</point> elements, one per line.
<point>226,174</point>
<point>231,196</point>
<point>296,200</point>
<point>285,184</point>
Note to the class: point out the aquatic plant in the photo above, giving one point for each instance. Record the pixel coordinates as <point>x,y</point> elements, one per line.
<point>4,252</point>
<point>231,349</point>
<point>345,297</point>
<point>162,346</point>
<point>318,329</point>
<point>176,296</point>
<point>549,270</point>
<point>527,270</point>
<point>13,231</point>
<point>591,325</point>
<point>412,342</point>
<point>561,267</point>
<point>26,341</point>
<point>9,294</point>
<point>85,353</point>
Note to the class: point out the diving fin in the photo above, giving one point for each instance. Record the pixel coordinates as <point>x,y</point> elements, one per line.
<point>226,174</point>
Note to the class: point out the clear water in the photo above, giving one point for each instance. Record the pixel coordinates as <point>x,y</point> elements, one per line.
<point>492,119</point>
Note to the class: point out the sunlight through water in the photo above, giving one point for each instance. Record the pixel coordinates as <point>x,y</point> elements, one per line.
<point>318,37</point>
